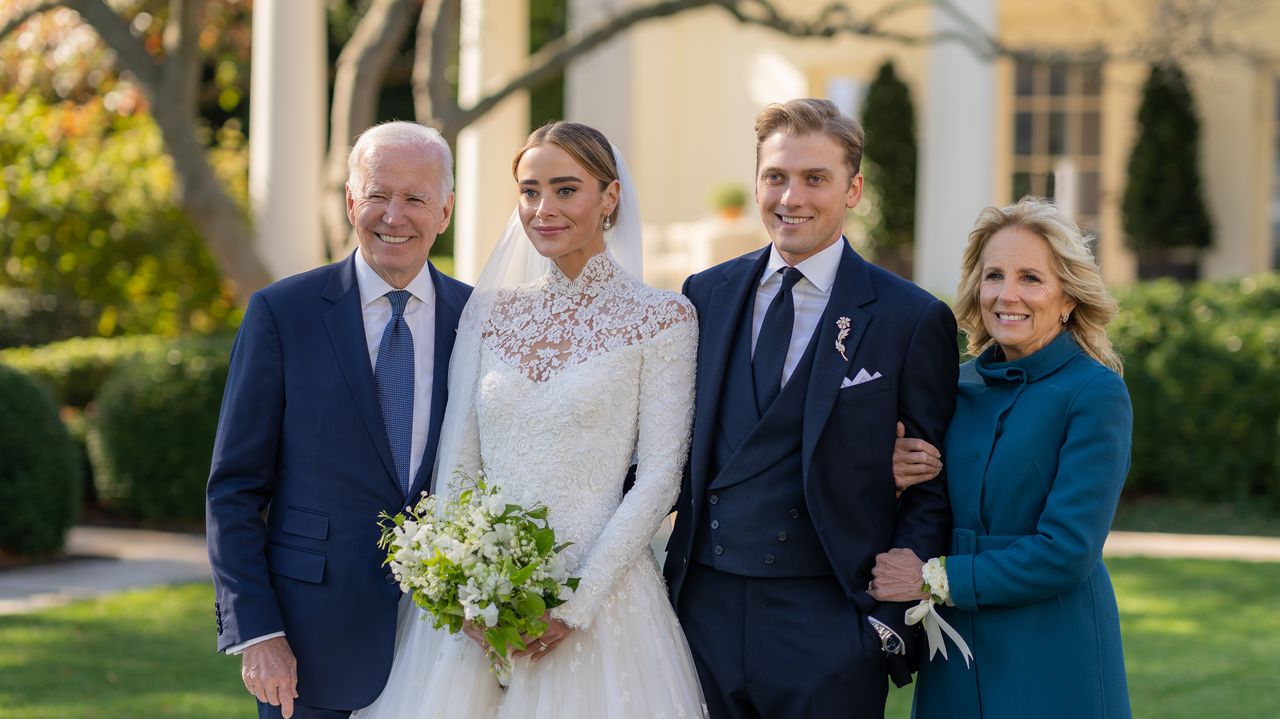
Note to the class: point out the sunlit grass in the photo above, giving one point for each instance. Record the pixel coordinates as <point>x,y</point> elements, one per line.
<point>1202,639</point>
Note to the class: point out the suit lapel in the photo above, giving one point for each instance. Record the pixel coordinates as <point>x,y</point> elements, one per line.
<point>344,322</point>
<point>724,309</point>
<point>449,304</point>
<point>851,290</point>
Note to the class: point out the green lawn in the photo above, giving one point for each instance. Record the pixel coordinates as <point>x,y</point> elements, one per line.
<point>1202,639</point>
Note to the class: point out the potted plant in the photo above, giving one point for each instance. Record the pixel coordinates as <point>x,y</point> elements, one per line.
<point>728,199</point>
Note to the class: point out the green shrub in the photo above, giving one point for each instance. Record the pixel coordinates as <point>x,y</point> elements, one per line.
<point>39,477</point>
<point>1202,363</point>
<point>153,428</point>
<point>76,368</point>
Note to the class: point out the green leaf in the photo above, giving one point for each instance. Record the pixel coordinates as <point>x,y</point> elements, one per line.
<point>530,604</point>
<point>520,576</point>
<point>545,540</point>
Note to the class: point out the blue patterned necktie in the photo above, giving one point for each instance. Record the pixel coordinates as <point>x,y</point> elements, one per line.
<point>774,340</point>
<point>394,378</point>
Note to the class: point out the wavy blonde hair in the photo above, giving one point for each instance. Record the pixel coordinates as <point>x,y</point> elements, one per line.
<point>1073,262</point>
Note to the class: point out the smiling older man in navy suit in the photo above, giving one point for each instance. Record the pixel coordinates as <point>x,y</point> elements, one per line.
<point>808,357</point>
<point>331,415</point>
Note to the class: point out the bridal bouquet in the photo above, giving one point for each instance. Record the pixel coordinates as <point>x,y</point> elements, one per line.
<point>479,559</point>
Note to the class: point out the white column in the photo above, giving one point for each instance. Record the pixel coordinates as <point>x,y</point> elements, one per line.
<point>494,43</point>
<point>598,85</point>
<point>957,166</point>
<point>286,130</point>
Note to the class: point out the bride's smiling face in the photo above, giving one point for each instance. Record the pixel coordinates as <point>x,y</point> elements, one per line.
<point>562,207</point>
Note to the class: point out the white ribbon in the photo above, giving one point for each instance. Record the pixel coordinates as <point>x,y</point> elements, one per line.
<point>934,627</point>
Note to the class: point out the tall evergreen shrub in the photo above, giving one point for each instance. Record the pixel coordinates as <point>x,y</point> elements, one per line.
<point>889,162</point>
<point>1163,204</point>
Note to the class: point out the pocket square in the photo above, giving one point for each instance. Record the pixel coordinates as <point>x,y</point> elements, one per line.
<point>862,377</point>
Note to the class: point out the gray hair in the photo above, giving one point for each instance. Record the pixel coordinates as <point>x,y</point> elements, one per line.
<point>399,133</point>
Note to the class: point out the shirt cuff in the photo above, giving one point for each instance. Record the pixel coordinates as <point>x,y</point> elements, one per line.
<point>237,648</point>
<point>881,629</point>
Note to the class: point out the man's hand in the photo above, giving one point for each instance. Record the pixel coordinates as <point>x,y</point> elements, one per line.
<point>270,673</point>
<point>897,577</point>
<point>914,460</point>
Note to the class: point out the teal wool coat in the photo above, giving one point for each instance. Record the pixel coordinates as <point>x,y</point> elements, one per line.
<point>1036,455</point>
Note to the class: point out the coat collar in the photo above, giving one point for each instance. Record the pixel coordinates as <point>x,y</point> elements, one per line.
<point>1032,368</point>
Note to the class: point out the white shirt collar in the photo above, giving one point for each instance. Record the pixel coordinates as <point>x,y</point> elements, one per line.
<point>373,287</point>
<point>819,269</point>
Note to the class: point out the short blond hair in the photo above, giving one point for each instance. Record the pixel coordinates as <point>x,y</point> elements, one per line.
<point>806,115</point>
<point>1073,262</point>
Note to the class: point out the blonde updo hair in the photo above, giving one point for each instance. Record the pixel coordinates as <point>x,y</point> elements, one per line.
<point>1073,262</point>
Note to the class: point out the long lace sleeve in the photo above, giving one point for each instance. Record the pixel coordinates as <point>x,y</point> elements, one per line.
<point>662,445</point>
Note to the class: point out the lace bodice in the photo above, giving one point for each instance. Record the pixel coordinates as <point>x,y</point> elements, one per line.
<point>577,377</point>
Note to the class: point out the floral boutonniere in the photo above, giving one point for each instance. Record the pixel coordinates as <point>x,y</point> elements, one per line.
<point>844,325</point>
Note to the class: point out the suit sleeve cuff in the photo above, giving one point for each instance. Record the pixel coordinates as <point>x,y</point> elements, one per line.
<point>237,648</point>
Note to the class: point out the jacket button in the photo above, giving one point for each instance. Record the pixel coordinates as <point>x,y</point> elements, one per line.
<point>714,499</point>
<point>718,550</point>
<point>715,524</point>
<point>782,536</point>
<point>390,579</point>
<point>768,559</point>
<point>795,514</point>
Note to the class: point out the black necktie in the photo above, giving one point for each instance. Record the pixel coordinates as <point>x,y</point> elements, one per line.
<point>774,340</point>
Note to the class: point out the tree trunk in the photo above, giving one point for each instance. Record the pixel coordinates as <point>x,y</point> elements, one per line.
<point>357,80</point>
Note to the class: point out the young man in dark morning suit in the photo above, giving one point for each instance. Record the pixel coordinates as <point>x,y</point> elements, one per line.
<point>808,357</point>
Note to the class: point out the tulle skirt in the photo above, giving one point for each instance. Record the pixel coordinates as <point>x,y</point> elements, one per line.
<point>633,661</point>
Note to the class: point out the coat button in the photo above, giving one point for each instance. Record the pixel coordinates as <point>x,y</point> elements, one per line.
<point>718,550</point>
<point>795,514</point>
<point>390,579</point>
<point>782,536</point>
<point>714,499</point>
<point>715,524</point>
<point>768,559</point>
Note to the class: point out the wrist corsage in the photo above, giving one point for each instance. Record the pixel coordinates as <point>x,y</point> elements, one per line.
<point>938,589</point>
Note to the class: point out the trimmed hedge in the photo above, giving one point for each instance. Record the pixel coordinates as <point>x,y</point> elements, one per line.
<point>39,477</point>
<point>152,433</point>
<point>76,368</point>
<point>1202,363</point>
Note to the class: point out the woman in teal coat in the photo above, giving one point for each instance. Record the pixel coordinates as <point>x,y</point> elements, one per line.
<point>1036,453</point>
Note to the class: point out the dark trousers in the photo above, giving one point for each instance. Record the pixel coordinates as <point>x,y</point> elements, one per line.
<point>266,711</point>
<point>784,648</point>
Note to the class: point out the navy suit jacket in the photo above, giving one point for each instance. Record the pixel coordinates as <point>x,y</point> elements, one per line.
<point>896,329</point>
<point>301,468</point>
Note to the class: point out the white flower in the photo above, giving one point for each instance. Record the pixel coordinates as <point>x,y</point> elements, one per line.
<point>934,573</point>
<point>490,615</point>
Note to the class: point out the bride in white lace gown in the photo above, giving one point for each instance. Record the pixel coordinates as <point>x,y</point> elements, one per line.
<point>556,386</point>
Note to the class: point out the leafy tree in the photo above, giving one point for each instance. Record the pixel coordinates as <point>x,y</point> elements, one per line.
<point>889,162</point>
<point>106,254</point>
<point>164,62</point>
<point>1163,203</point>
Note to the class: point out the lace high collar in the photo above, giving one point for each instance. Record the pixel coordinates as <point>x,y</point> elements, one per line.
<point>599,272</point>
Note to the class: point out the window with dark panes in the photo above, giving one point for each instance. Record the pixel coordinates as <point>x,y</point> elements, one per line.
<point>1057,136</point>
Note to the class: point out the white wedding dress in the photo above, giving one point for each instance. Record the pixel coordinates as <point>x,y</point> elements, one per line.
<point>575,379</point>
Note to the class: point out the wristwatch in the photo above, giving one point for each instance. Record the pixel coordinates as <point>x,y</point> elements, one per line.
<point>890,643</point>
